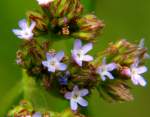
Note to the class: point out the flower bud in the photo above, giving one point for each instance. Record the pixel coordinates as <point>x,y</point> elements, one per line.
<point>115,91</point>
<point>41,22</point>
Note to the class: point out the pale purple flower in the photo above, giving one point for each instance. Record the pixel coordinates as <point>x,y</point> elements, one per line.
<point>141,46</point>
<point>105,70</point>
<point>135,73</point>
<point>75,97</point>
<point>79,52</point>
<point>26,31</point>
<point>37,114</point>
<point>44,2</point>
<point>53,62</point>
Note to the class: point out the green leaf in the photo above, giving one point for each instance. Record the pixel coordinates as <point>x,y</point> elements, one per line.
<point>10,98</point>
<point>40,97</point>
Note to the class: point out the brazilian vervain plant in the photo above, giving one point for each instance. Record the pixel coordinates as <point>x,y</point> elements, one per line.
<point>73,76</point>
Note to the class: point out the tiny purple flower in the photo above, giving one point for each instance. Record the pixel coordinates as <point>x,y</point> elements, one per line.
<point>75,97</point>
<point>37,114</point>
<point>141,46</point>
<point>134,72</point>
<point>79,52</point>
<point>64,79</point>
<point>53,62</point>
<point>26,31</point>
<point>105,69</point>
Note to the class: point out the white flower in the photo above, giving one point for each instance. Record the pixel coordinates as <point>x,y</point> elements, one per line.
<point>53,62</point>
<point>79,52</point>
<point>26,31</point>
<point>105,69</point>
<point>44,2</point>
<point>134,72</point>
<point>75,97</point>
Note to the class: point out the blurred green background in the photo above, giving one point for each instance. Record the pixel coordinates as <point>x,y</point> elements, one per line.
<point>128,19</point>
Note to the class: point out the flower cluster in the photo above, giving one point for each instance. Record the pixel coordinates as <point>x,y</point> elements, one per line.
<point>128,64</point>
<point>77,74</point>
<point>26,109</point>
<point>64,17</point>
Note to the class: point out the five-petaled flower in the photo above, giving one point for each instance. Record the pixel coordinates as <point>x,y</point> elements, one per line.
<point>79,52</point>
<point>44,2</point>
<point>26,31</point>
<point>134,72</point>
<point>53,62</point>
<point>75,97</point>
<point>105,69</point>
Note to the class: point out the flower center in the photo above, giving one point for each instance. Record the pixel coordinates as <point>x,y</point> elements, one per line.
<point>53,63</point>
<point>104,69</point>
<point>26,33</point>
<point>80,54</point>
<point>134,72</point>
<point>76,95</point>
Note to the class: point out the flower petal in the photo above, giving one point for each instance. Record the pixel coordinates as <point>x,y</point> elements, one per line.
<point>109,75</point>
<point>87,48</point>
<point>77,44</point>
<point>111,66</point>
<point>141,44</point>
<point>135,64</point>
<point>103,78</point>
<point>99,70</point>
<point>51,69</point>
<point>84,92</point>
<point>44,2</point>
<point>82,102</point>
<point>141,70</point>
<point>104,61</point>
<point>68,95</point>
<point>17,31</point>
<point>87,58</point>
<point>23,24</point>
<point>142,81</point>
<point>147,56</point>
<point>76,59</point>
<point>62,67</point>
<point>137,79</point>
<point>59,56</point>
<point>37,114</point>
<point>73,105</point>
<point>49,56</point>
<point>134,80</point>
<point>45,63</point>
<point>32,26</point>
